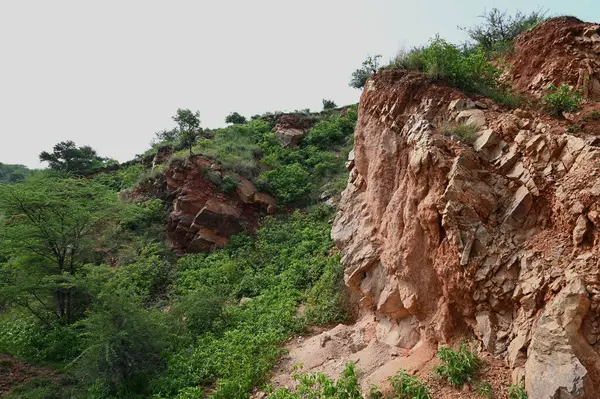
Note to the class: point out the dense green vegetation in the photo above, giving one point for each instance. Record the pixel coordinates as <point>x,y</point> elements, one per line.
<point>472,66</point>
<point>12,173</point>
<point>67,157</point>
<point>296,176</point>
<point>89,287</point>
<point>65,303</point>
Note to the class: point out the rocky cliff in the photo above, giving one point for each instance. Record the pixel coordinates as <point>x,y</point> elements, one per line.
<point>203,217</point>
<point>441,238</point>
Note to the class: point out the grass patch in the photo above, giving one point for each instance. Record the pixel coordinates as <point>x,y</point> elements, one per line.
<point>408,386</point>
<point>462,131</point>
<point>592,116</point>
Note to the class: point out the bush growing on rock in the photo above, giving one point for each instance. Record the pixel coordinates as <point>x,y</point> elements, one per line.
<point>467,70</point>
<point>360,76</point>
<point>328,104</point>
<point>561,99</point>
<point>516,391</point>
<point>458,366</point>
<point>500,29</point>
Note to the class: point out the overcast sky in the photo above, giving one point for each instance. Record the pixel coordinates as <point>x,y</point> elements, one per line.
<point>111,73</point>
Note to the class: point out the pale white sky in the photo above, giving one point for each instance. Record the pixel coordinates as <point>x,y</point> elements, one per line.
<point>111,73</point>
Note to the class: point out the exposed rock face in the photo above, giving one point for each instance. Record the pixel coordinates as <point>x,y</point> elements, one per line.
<point>562,50</point>
<point>203,218</point>
<point>291,128</point>
<point>439,237</point>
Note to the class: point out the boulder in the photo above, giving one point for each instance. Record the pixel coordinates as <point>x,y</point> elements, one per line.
<point>473,117</point>
<point>222,218</point>
<point>555,365</point>
<point>246,190</point>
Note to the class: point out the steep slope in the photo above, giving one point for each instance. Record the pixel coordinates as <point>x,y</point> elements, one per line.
<point>440,238</point>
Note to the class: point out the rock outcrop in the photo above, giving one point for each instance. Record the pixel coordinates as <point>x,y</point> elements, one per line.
<point>562,50</point>
<point>441,238</point>
<point>203,217</point>
<point>290,128</point>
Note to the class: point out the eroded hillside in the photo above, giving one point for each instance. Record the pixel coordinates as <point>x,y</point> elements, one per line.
<point>442,238</point>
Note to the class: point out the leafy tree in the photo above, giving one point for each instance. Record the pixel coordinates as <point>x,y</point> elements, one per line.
<point>188,129</point>
<point>359,77</point>
<point>67,157</point>
<point>499,29</point>
<point>235,118</point>
<point>328,104</point>
<point>48,234</point>
<point>123,344</point>
<point>12,173</point>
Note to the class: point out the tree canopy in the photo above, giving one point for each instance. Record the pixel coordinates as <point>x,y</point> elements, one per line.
<point>235,118</point>
<point>67,157</point>
<point>50,228</point>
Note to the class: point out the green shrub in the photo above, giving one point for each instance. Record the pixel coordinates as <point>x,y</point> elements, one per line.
<point>411,60</point>
<point>465,132</point>
<point>503,95</point>
<point>328,104</point>
<point>235,118</point>
<point>121,179</point>
<point>574,129</point>
<point>24,337</point>
<point>408,386</point>
<point>561,99</point>
<point>318,385</point>
<point>499,29</point>
<point>291,183</point>
<point>484,389</point>
<point>228,184</point>
<point>369,68</point>
<point>458,366</point>
<point>516,391</point>
<point>325,300</point>
<point>214,176</point>
<point>123,344</point>
<point>469,71</point>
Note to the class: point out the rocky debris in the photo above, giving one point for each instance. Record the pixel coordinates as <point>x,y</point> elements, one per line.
<point>560,361</point>
<point>203,217</point>
<point>473,117</point>
<point>163,154</point>
<point>573,48</point>
<point>440,238</point>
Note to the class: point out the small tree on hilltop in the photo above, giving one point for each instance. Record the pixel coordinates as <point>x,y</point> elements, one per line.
<point>328,104</point>
<point>67,157</point>
<point>369,68</point>
<point>189,127</point>
<point>235,118</point>
<point>499,29</point>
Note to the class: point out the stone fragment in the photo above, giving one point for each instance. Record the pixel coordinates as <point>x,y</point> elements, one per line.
<point>582,226</point>
<point>554,367</point>
<point>486,139</point>
<point>473,117</point>
<point>246,190</point>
